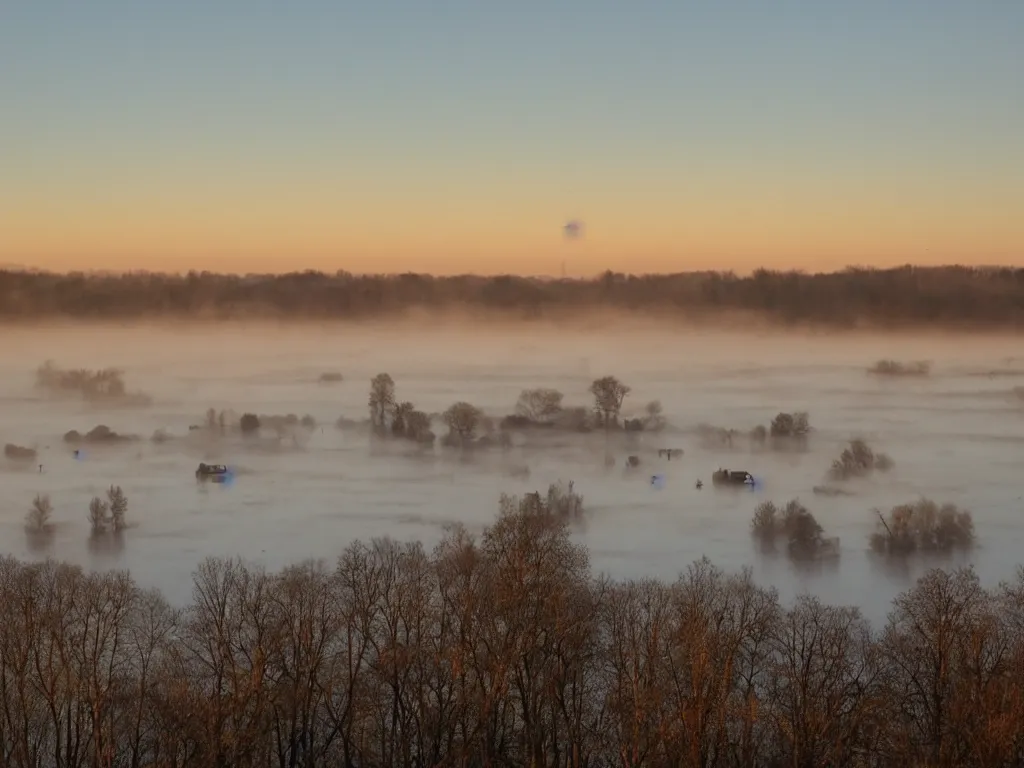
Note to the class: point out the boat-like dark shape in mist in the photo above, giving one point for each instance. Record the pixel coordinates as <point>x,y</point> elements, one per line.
<point>218,473</point>
<point>732,477</point>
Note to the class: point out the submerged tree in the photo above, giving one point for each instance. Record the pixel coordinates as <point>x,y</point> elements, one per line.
<point>417,427</point>
<point>38,518</point>
<point>791,426</point>
<point>858,460</point>
<point>399,418</point>
<point>462,419</point>
<point>803,533</point>
<point>382,400</point>
<point>99,515</point>
<point>896,368</point>
<point>249,424</point>
<point>609,394</point>
<point>654,418</point>
<point>117,503</point>
<point>539,406</point>
<point>923,526</point>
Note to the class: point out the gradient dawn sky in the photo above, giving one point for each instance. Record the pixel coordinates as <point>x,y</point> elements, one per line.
<point>456,136</point>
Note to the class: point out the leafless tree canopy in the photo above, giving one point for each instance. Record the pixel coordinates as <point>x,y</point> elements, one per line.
<point>609,394</point>
<point>382,400</point>
<point>895,368</point>
<point>499,650</point>
<point>37,520</point>
<point>956,297</point>
<point>539,406</point>
<point>923,527</point>
<point>102,386</point>
<point>787,431</point>
<point>19,453</point>
<point>796,525</point>
<point>858,460</point>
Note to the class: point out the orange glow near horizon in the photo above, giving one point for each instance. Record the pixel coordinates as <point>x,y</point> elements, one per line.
<point>531,257</point>
<point>663,230</point>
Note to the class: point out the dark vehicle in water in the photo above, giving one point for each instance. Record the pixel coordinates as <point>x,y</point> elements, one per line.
<point>732,477</point>
<point>218,473</point>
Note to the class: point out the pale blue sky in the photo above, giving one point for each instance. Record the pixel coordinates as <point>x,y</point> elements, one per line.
<point>521,113</point>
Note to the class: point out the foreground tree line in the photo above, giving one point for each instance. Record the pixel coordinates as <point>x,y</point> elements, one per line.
<point>500,650</point>
<point>953,295</point>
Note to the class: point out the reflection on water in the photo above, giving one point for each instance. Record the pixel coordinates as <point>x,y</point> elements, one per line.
<point>955,436</point>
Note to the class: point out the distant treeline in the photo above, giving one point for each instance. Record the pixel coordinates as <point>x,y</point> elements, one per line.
<point>954,297</point>
<point>502,650</point>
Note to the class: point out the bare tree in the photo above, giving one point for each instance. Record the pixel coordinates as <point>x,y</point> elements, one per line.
<point>417,427</point>
<point>885,298</point>
<point>382,400</point>
<point>790,429</point>
<point>501,649</point>
<point>249,423</point>
<point>400,418</point>
<point>99,515</point>
<point>462,419</point>
<point>38,518</point>
<point>117,503</point>
<point>609,394</point>
<point>824,682</point>
<point>858,460</point>
<point>941,634</point>
<point>539,406</point>
<point>654,418</point>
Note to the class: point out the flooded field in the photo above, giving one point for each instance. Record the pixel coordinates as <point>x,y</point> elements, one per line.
<point>955,435</point>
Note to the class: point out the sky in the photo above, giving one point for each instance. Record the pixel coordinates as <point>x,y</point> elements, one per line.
<point>460,135</point>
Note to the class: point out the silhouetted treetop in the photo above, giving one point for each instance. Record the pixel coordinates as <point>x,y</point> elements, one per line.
<point>951,296</point>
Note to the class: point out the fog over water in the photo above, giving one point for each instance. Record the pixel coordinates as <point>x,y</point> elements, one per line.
<point>956,435</point>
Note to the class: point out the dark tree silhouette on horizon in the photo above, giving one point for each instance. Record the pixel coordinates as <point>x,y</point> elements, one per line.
<point>953,297</point>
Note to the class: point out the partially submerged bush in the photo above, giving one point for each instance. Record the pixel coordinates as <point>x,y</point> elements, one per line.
<point>285,424</point>
<point>654,419</point>
<point>896,368</point>
<point>759,435</point>
<point>19,453</point>
<point>651,421</point>
<point>538,407</point>
<point>218,421</point>
<point>828,490</point>
<point>923,526</point>
<point>98,435</point>
<point>609,394</point>
<point>38,518</point>
<point>109,515</point>
<point>462,419</point>
<point>99,515</point>
<point>562,502</point>
<point>576,419</point>
<point>858,460</point>
<point>797,525</point>
<point>790,429</point>
<point>716,438</point>
<point>103,385</point>
<point>787,430</point>
<point>38,528</point>
<point>409,423</point>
